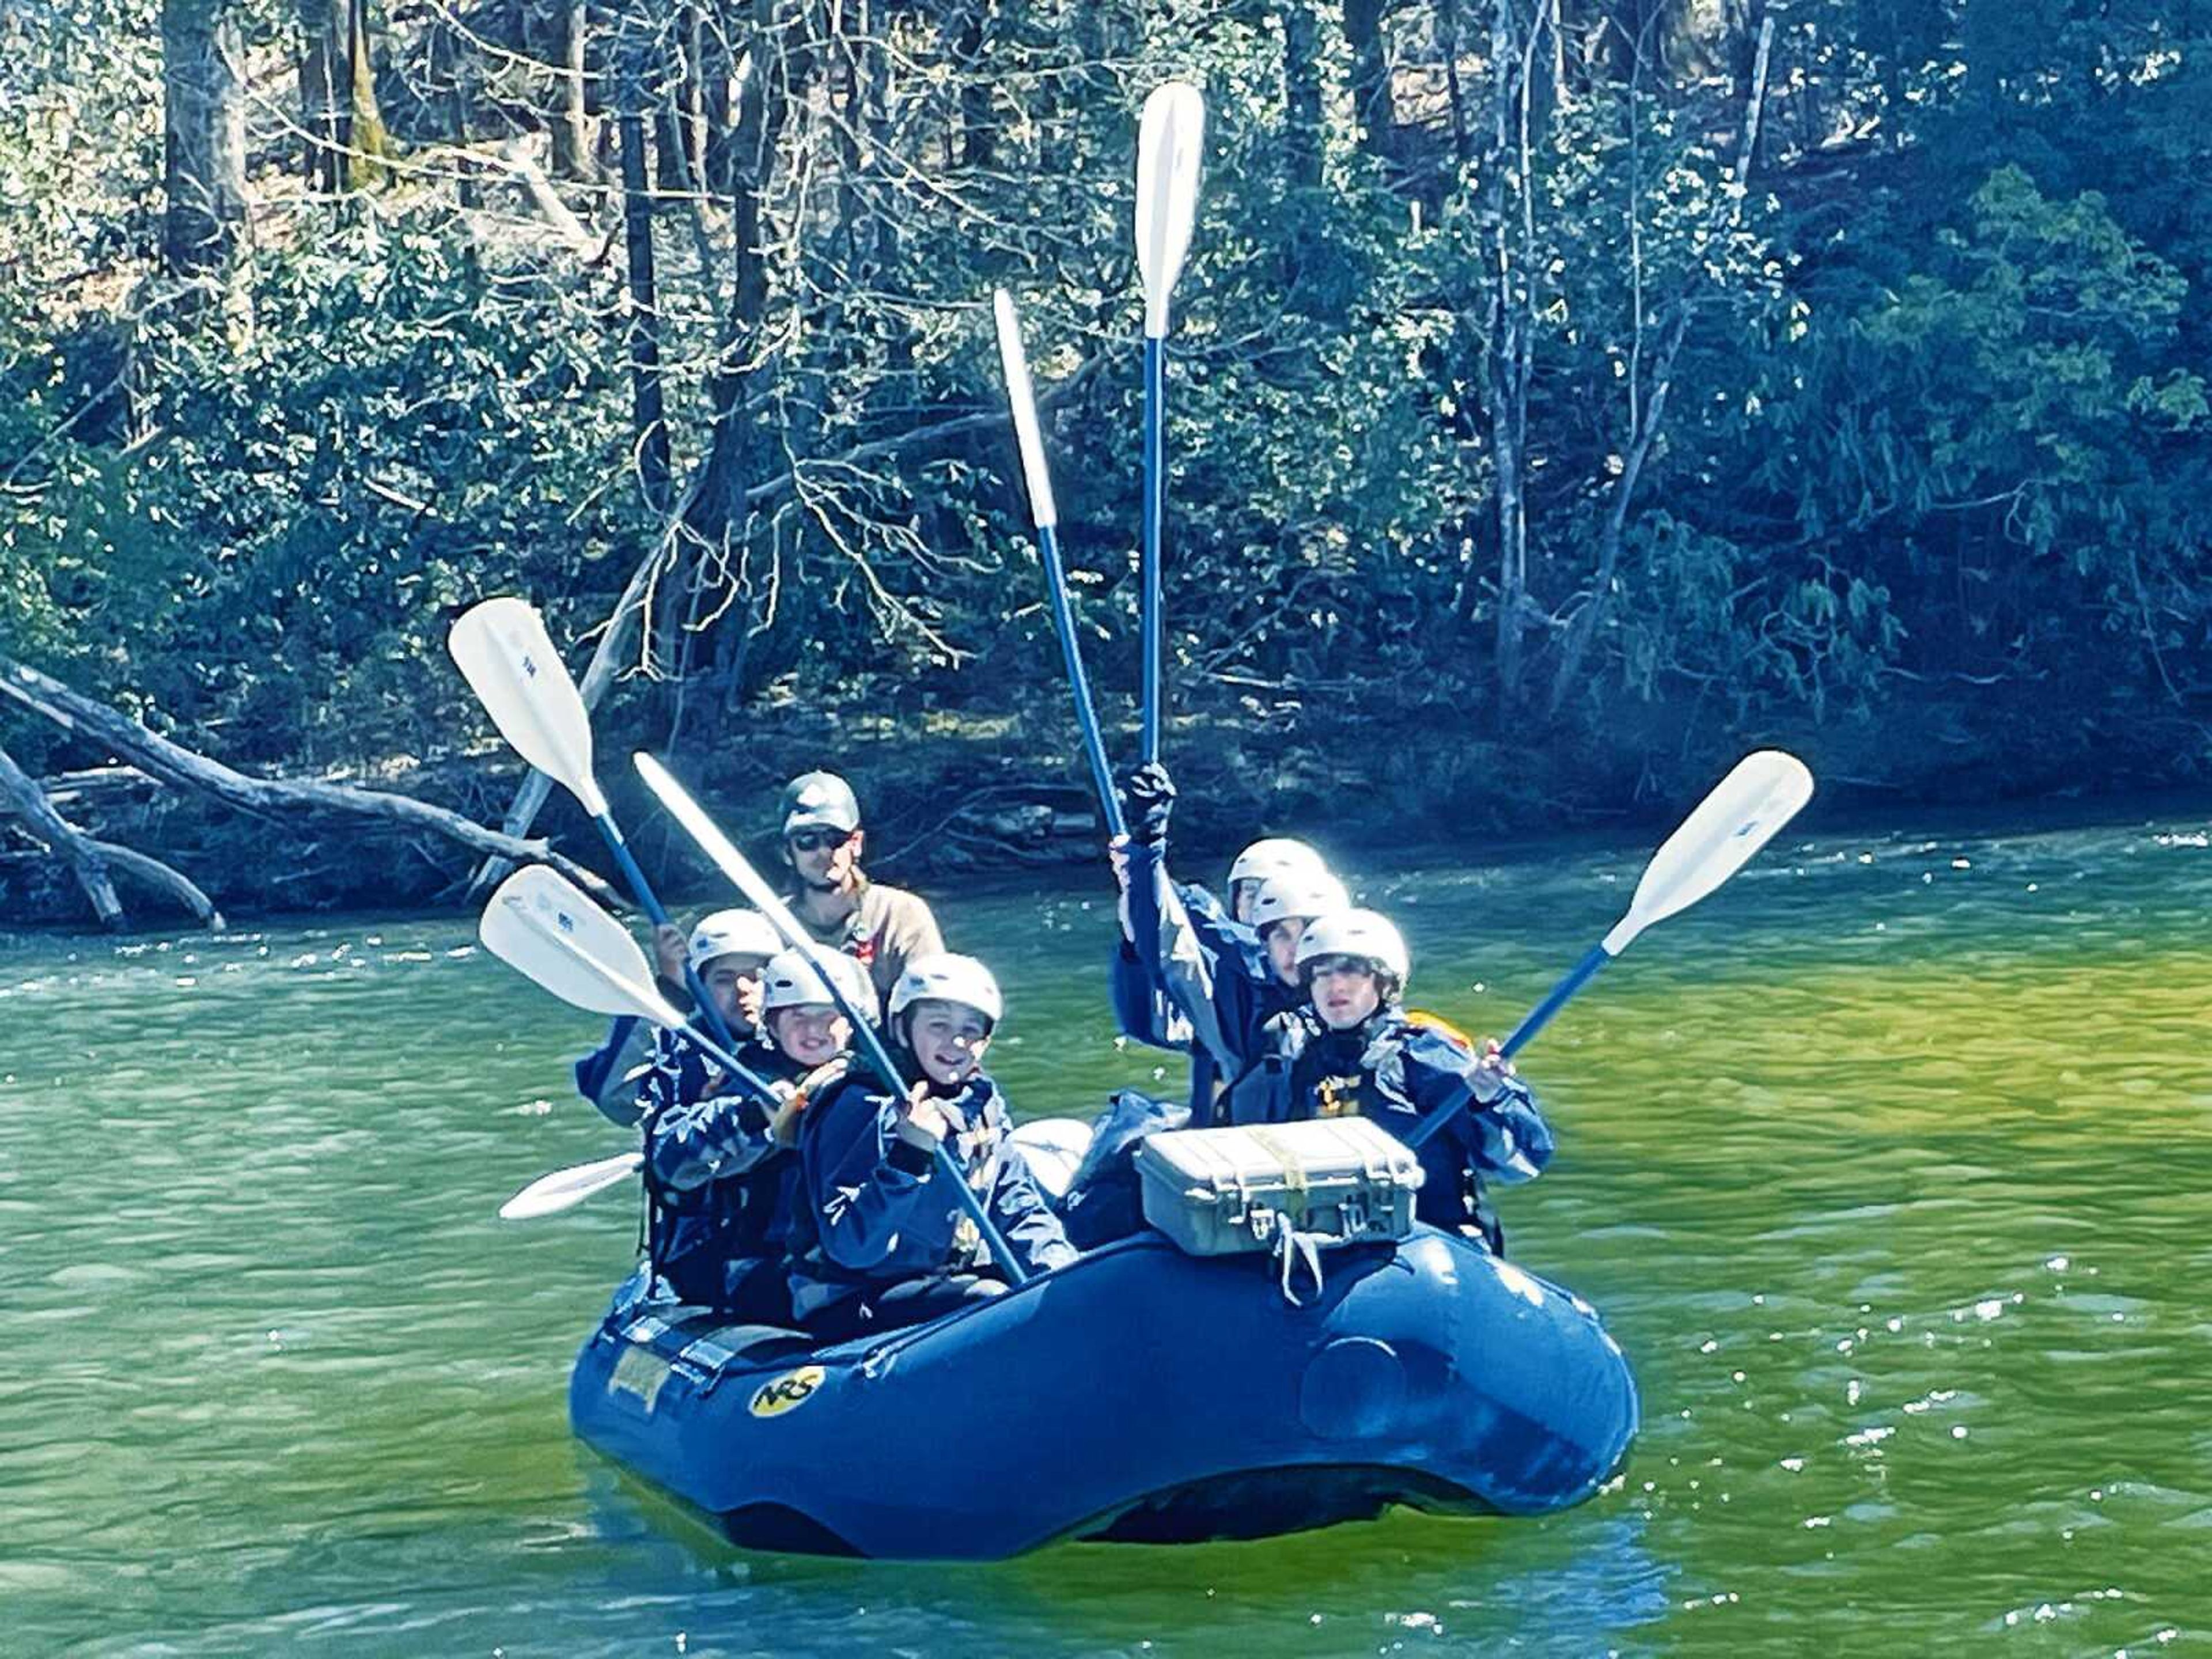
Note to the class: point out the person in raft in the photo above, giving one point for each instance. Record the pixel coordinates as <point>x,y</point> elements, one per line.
<point>1354,1049</point>
<point>883,928</point>
<point>728,948</point>
<point>877,1241</point>
<point>1190,975</point>
<point>720,1182</point>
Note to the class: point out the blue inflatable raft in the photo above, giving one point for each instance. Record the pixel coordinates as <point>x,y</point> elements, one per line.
<point>1141,1394</point>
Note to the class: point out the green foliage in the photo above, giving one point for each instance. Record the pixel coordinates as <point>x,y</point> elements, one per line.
<point>1933,438</point>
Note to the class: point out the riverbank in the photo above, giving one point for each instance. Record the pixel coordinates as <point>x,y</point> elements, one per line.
<point>953,798</point>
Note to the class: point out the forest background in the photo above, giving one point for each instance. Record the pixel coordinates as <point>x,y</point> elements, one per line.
<point>1565,396</point>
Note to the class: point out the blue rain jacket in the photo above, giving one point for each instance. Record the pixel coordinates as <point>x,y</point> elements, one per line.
<point>872,1211</point>
<point>718,1185</point>
<point>1397,1071</point>
<point>1211,971</point>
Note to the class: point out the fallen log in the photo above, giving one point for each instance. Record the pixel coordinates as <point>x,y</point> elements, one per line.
<point>19,792</point>
<point>182,769</point>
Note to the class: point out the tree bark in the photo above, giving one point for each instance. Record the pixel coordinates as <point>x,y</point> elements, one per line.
<point>777,76</point>
<point>369,143</point>
<point>1371,106</point>
<point>180,768</point>
<point>346,140</point>
<point>573,155</point>
<point>20,792</point>
<point>204,142</point>
<point>326,28</point>
<point>979,132</point>
<point>1302,119</point>
<point>1506,338</point>
<point>649,412</point>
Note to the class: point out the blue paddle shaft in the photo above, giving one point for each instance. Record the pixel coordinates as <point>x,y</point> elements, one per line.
<point>1154,508</point>
<point>1539,1017</point>
<point>643,890</point>
<point>1086,717</point>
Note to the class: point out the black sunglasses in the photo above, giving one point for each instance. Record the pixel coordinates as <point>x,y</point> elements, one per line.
<point>817,840</point>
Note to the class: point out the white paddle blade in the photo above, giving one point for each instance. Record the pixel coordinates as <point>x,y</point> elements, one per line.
<point>1746,809</point>
<point>1016,365</point>
<point>719,848</point>
<point>565,1188</point>
<point>542,926</point>
<point>1171,138</point>
<point>504,653</point>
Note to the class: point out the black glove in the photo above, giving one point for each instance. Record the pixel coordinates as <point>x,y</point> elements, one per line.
<point>1149,795</point>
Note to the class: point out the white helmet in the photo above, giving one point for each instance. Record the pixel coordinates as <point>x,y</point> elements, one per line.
<point>789,980</point>
<point>1278,855</point>
<point>734,934</point>
<point>1301,894</point>
<point>947,977</point>
<point>1363,933</point>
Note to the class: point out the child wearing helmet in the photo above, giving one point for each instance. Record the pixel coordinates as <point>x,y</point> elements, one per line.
<point>718,1183</point>
<point>1190,975</point>
<point>727,948</point>
<point>876,1243</point>
<point>1352,1049</point>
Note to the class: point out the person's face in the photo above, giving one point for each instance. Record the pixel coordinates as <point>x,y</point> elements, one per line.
<point>1345,991</point>
<point>947,1039</point>
<point>1240,894</point>
<point>1283,947</point>
<point>823,857</point>
<point>812,1034</point>
<point>733,984</point>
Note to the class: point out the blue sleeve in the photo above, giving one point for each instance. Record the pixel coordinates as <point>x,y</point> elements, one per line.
<point>1031,1230</point>
<point>608,1077</point>
<point>1182,967</point>
<point>1507,1139</point>
<point>691,1145</point>
<point>861,1180</point>
<point>1142,1011</point>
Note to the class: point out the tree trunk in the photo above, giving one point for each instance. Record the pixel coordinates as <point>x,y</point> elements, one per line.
<point>1372,110</point>
<point>1302,135</point>
<point>346,141</point>
<point>649,414</point>
<point>204,142</point>
<point>1449,39</point>
<point>326,27</point>
<point>20,793</point>
<point>763,103</point>
<point>179,767</point>
<point>978,132</point>
<point>572,135</point>
<point>1505,357</point>
<point>370,144</point>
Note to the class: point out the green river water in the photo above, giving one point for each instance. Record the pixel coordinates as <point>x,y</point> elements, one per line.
<point>1888,1167</point>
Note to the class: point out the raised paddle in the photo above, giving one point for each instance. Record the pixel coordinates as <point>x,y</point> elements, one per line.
<point>1170,137</point>
<point>543,926</point>
<point>565,1188</point>
<point>765,899</point>
<point>1746,809</point>
<point>503,651</point>
<point>1046,516</point>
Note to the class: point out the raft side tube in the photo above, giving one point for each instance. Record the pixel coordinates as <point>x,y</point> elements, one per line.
<point>1138,1392</point>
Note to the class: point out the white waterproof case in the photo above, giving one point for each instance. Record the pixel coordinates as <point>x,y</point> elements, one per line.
<point>1328,1180</point>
